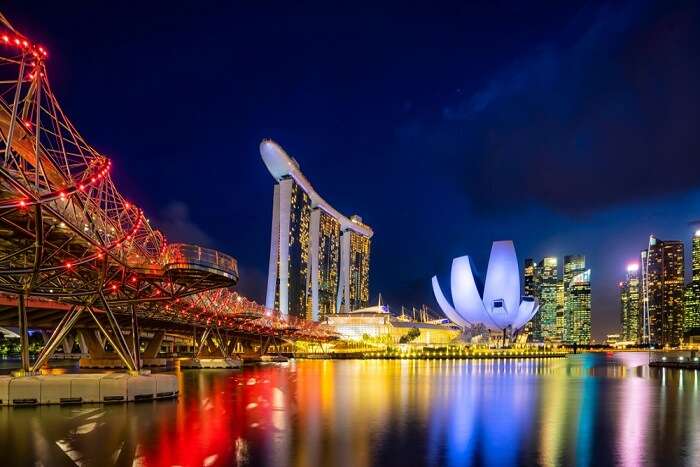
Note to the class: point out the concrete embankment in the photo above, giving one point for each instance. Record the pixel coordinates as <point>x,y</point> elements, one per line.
<point>85,388</point>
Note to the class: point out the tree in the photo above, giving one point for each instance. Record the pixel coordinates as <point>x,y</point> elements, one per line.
<point>411,335</point>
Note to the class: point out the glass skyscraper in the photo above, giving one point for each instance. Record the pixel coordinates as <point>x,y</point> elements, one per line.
<point>530,289</point>
<point>691,305</point>
<point>631,305</point>
<point>546,280</point>
<point>577,300</point>
<point>663,288</point>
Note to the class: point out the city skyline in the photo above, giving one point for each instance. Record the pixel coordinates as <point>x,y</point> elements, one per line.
<point>307,158</point>
<point>414,150</point>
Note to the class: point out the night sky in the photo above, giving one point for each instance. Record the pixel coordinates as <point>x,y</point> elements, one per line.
<point>568,127</point>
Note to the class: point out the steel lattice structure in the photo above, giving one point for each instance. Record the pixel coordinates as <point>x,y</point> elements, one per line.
<point>67,234</point>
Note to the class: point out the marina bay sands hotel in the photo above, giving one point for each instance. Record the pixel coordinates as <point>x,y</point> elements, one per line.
<point>319,259</point>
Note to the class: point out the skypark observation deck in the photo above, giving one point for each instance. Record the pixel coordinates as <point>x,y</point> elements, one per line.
<point>314,249</point>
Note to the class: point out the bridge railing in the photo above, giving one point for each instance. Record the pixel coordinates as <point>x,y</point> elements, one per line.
<point>186,256</point>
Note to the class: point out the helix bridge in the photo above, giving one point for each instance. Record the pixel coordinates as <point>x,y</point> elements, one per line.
<point>71,241</point>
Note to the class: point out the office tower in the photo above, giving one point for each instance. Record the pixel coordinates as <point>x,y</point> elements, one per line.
<point>328,262</point>
<point>319,259</point>
<point>690,308</point>
<point>631,305</point>
<point>579,309</point>
<point>359,269</point>
<point>529,280</point>
<point>530,290</point>
<point>691,304</point>
<point>663,288</point>
<point>574,266</point>
<point>560,322</point>
<point>547,278</point>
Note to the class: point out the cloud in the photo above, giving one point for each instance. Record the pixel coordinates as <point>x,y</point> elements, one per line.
<point>604,115</point>
<point>175,222</point>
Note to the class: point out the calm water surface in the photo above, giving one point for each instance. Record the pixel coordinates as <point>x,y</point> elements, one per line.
<point>592,409</point>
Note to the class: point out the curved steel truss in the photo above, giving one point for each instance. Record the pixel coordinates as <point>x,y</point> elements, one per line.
<point>67,233</point>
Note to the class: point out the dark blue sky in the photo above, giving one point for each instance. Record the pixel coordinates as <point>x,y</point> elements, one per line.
<point>569,127</point>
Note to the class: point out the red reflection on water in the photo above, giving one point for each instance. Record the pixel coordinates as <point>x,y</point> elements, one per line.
<point>216,419</point>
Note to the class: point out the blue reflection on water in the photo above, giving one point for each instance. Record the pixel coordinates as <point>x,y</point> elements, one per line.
<point>586,419</point>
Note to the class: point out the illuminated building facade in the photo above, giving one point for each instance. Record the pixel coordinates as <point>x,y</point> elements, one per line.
<point>631,305</point>
<point>546,280</point>
<point>500,307</point>
<point>579,309</point>
<point>529,287</point>
<point>529,279</point>
<point>376,324</point>
<point>574,266</point>
<point>691,304</point>
<point>319,259</point>
<point>560,321</point>
<point>359,269</point>
<point>663,286</point>
<point>328,262</point>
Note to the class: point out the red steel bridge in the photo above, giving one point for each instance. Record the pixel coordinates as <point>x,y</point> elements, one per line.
<point>80,254</point>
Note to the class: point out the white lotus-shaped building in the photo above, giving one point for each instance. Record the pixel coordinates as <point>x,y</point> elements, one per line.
<point>501,306</point>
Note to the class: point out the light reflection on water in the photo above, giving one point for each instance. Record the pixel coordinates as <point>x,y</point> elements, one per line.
<point>591,409</point>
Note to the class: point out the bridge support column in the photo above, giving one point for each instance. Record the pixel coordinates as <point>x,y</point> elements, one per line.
<point>135,339</point>
<point>23,332</point>
<point>233,346</point>
<point>90,343</point>
<point>221,344</point>
<point>202,342</point>
<point>117,343</point>
<point>68,342</point>
<point>44,336</point>
<point>57,336</point>
<point>154,345</point>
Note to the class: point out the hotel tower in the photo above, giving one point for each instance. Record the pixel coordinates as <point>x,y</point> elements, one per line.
<point>319,259</point>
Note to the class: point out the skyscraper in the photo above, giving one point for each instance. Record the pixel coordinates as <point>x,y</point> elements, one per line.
<point>579,309</point>
<point>354,269</point>
<point>529,280</point>
<point>547,278</point>
<point>560,321</point>
<point>319,259</point>
<point>631,305</point>
<point>530,290</point>
<point>691,303</point>
<point>328,261</point>
<point>663,288</point>
<point>574,266</point>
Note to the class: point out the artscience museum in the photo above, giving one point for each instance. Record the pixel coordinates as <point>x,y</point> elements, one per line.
<point>499,306</point>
